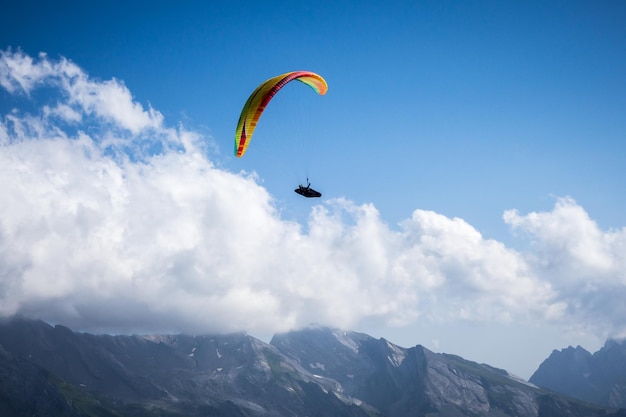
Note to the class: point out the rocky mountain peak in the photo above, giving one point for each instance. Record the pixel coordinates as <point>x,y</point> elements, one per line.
<point>599,378</point>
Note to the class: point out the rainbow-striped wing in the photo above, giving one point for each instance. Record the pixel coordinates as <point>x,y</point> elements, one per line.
<point>259,99</point>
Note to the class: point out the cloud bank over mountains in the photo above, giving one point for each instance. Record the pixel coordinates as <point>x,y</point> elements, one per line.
<point>113,220</point>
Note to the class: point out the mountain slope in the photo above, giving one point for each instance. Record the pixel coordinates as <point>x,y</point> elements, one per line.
<point>52,371</point>
<point>227,375</point>
<point>413,382</point>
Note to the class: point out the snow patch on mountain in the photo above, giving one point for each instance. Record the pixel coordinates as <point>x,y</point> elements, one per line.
<point>317,365</point>
<point>345,339</point>
<point>397,354</point>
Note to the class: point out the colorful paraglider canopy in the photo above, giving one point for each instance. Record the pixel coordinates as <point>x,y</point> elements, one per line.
<point>261,96</point>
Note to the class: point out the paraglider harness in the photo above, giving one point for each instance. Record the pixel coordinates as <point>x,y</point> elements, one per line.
<point>307,191</point>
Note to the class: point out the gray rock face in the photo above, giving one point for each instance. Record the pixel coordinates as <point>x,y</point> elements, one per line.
<point>225,375</point>
<point>313,372</point>
<point>599,378</point>
<point>403,382</point>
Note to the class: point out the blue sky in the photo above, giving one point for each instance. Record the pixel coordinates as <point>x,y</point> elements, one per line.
<point>471,157</point>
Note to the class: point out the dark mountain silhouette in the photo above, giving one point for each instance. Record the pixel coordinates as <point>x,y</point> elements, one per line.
<point>599,378</point>
<point>53,371</point>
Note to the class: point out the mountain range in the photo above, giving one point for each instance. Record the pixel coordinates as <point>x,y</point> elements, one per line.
<point>318,371</point>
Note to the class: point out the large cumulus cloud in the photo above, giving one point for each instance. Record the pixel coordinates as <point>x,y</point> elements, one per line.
<point>112,220</point>
<point>586,265</point>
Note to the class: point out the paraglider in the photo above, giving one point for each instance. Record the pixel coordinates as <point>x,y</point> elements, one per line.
<point>307,191</point>
<point>258,101</point>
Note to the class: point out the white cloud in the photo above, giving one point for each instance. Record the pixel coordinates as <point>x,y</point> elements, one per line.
<point>585,264</point>
<point>568,238</point>
<point>106,231</point>
<point>109,101</point>
<point>19,73</point>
